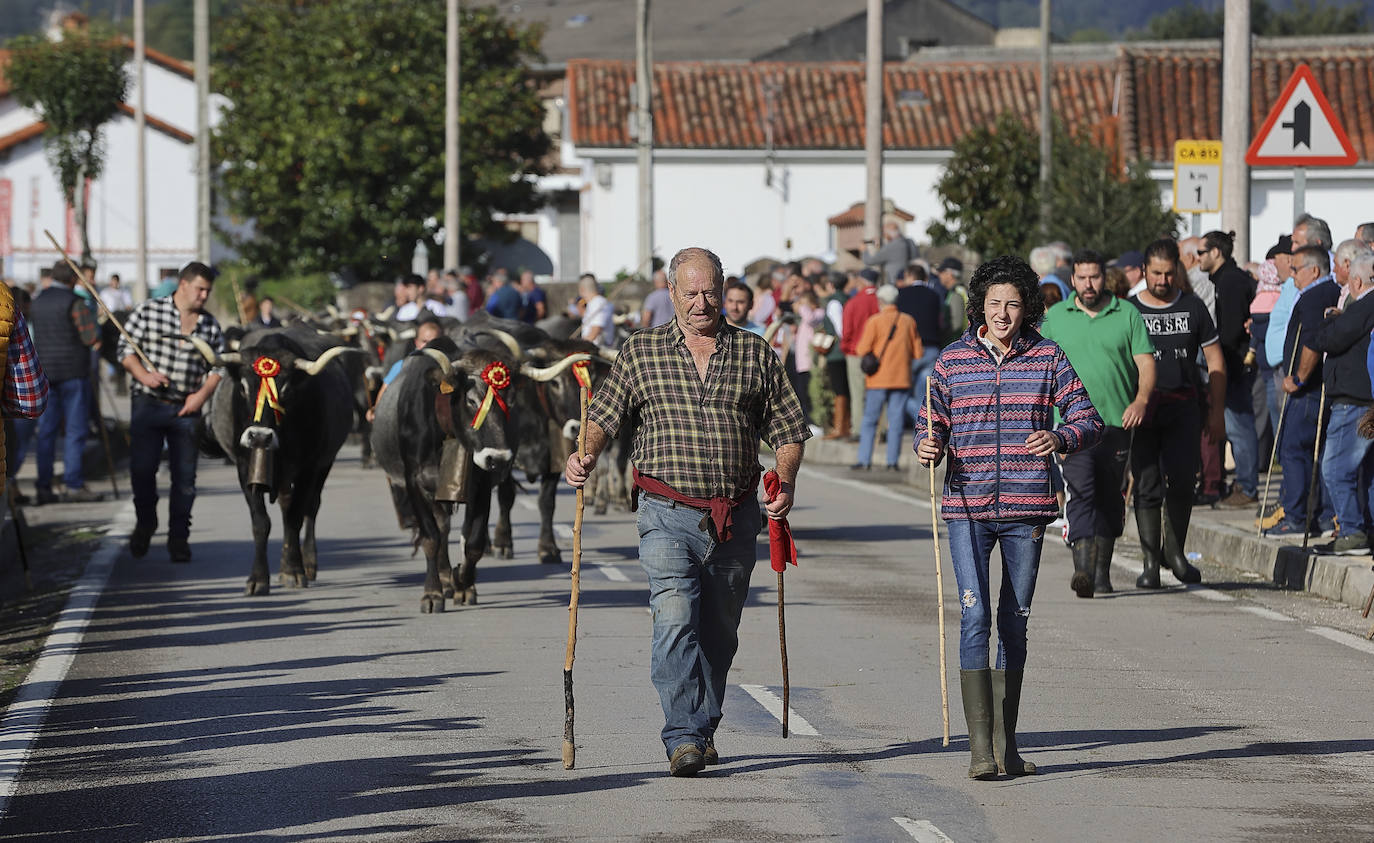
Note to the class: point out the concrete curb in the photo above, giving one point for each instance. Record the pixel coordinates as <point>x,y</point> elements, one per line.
<point>1344,579</point>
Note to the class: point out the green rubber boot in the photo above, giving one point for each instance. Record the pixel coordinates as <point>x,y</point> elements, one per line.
<point>1006,703</point>
<point>976,688</point>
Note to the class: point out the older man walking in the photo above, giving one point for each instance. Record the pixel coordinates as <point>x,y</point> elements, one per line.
<point>704,392</point>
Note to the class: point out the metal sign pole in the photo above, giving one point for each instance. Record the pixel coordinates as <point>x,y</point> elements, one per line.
<point>1299,191</point>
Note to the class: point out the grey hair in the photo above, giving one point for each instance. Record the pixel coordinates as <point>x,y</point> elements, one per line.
<point>1365,231</point>
<point>1042,260</point>
<point>1352,250</point>
<point>1318,232</point>
<point>1314,255</point>
<point>1061,250</point>
<point>692,253</point>
<point>1363,267</point>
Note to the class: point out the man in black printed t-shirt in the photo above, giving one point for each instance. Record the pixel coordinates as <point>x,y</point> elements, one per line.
<point>1166,452</point>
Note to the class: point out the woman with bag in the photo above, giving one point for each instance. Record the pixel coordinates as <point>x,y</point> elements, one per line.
<point>886,349</point>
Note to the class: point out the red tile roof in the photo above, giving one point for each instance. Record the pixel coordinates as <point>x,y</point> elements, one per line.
<point>34,130</point>
<point>1164,92</point>
<point>819,105</point>
<point>1174,91</point>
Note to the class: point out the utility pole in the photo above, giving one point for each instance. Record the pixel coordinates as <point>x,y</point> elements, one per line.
<point>1235,125</point>
<point>644,127</point>
<point>140,291</point>
<point>452,238</point>
<point>873,126</point>
<point>201,48</point>
<point>1046,120</point>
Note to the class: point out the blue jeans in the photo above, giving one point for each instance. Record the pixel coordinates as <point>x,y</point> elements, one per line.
<point>874,399</point>
<point>1240,431</point>
<point>1295,458</point>
<point>697,591</point>
<point>970,546</point>
<point>921,368</point>
<point>67,407</point>
<point>1348,468</point>
<point>17,445</point>
<point>151,423</point>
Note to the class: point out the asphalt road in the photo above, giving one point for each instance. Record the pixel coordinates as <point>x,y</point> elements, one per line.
<point>339,712</point>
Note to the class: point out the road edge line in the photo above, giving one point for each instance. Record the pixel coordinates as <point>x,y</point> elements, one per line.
<point>24,719</point>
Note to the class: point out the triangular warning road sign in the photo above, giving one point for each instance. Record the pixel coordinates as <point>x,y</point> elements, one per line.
<point>1302,130</point>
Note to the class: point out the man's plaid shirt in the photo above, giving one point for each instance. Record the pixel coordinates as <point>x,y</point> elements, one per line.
<point>701,438</point>
<point>26,387</point>
<point>177,359</point>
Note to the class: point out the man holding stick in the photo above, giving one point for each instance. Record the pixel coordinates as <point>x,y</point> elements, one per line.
<point>166,401</point>
<point>704,392</point>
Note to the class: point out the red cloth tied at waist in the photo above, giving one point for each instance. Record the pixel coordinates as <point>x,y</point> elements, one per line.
<point>781,548</point>
<point>719,511</point>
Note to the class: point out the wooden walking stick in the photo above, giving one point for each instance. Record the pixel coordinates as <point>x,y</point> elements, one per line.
<point>81,279</point>
<point>569,748</point>
<point>1316,467</point>
<point>1273,454</point>
<point>939,575</point>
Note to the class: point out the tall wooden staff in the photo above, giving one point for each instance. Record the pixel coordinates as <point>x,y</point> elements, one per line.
<point>939,574</point>
<point>81,279</point>
<point>1283,408</point>
<point>569,748</point>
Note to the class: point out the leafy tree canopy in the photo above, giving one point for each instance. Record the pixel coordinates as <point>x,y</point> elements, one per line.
<point>1305,17</point>
<point>334,144</point>
<point>990,193</point>
<point>75,85</point>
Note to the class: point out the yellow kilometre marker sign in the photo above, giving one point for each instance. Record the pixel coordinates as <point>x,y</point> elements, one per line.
<point>1197,176</point>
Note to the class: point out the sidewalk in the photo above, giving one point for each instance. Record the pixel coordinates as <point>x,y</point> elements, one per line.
<point>1223,536</point>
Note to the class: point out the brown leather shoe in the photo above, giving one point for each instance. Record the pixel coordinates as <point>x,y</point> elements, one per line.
<point>686,761</point>
<point>1239,500</point>
<point>712,757</point>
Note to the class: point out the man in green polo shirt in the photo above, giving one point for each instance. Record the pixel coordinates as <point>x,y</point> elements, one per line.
<point>1110,349</point>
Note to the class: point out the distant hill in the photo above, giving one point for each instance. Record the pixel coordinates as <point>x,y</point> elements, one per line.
<point>169,21</point>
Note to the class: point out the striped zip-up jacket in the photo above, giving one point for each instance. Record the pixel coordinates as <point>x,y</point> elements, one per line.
<point>983,411</point>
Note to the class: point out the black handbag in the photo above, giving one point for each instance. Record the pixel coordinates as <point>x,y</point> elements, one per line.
<point>869,363</point>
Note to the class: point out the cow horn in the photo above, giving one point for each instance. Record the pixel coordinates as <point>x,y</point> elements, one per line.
<point>508,341</point>
<point>607,354</point>
<point>407,334</point>
<point>445,364</point>
<point>314,367</point>
<point>332,311</point>
<point>211,356</point>
<point>548,373</point>
<point>385,315</point>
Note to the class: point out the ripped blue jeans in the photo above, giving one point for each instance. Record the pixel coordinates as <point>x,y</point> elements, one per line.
<point>970,546</point>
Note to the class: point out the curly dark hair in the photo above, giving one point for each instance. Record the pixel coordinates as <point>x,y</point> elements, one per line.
<point>1007,269</point>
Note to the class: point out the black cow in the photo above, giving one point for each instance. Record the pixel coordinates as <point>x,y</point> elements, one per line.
<point>286,400</point>
<point>438,393</point>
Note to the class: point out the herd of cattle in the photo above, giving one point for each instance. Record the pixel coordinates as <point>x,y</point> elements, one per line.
<point>485,398</point>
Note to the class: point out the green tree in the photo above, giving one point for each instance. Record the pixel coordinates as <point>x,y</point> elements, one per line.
<point>1306,17</point>
<point>75,85</point>
<point>990,194</point>
<point>334,143</point>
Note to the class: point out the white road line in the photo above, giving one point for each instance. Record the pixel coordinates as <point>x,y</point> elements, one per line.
<point>867,488</point>
<point>613,573</point>
<point>773,705</point>
<point>563,531</point>
<point>1209,594</point>
<point>922,830</point>
<point>1353,641</point>
<point>24,719</point>
<point>527,503</point>
<point>1265,613</point>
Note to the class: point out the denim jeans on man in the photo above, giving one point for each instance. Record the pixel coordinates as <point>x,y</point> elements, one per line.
<point>697,591</point>
<point>970,546</point>
<point>151,422</point>
<point>921,368</point>
<point>1295,458</point>
<point>67,406</point>
<point>1347,466</point>
<point>874,400</point>
<point>1240,431</point>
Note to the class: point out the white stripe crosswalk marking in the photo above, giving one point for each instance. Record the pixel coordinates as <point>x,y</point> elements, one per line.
<point>1352,641</point>
<point>922,830</point>
<point>773,705</point>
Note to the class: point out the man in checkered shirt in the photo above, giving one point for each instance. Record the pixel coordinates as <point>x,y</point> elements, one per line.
<point>166,403</point>
<point>705,393</point>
